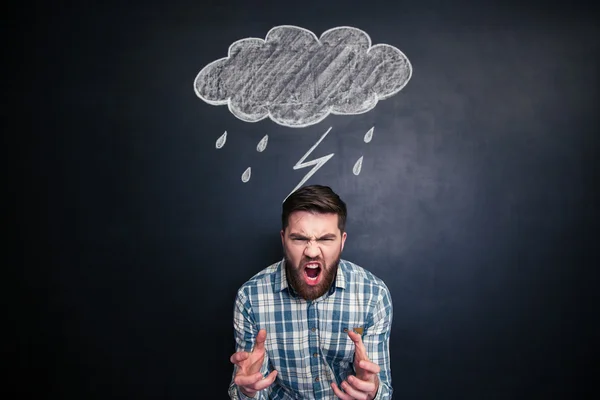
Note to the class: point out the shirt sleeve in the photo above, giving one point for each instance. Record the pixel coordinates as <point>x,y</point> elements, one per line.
<point>245,331</point>
<point>377,339</point>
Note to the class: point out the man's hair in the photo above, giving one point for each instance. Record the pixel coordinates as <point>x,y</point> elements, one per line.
<point>317,199</point>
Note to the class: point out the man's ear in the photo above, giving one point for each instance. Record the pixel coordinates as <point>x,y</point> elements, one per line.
<point>344,235</point>
<point>282,233</point>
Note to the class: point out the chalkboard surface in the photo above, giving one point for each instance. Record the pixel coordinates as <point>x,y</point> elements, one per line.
<point>160,140</point>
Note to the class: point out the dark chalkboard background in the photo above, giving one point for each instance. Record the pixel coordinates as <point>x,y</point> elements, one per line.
<point>475,202</point>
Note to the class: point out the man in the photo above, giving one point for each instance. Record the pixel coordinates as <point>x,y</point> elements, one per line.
<point>312,326</point>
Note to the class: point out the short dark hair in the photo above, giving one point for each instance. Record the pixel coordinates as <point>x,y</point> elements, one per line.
<point>314,198</point>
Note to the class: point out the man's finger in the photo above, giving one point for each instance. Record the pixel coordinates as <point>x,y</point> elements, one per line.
<point>238,356</point>
<point>369,366</point>
<point>353,392</point>
<point>247,380</point>
<point>359,346</point>
<point>339,393</point>
<point>356,338</point>
<point>363,386</point>
<point>265,382</point>
<point>260,340</point>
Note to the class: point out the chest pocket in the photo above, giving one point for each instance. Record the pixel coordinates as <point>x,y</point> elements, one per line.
<point>336,345</point>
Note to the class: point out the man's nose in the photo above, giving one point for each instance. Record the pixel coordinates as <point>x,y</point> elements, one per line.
<point>311,250</point>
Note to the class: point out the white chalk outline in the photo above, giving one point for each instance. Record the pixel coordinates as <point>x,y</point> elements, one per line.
<point>262,145</point>
<point>221,140</point>
<point>246,175</point>
<point>369,135</point>
<point>329,112</point>
<point>357,166</point>
<point>317,162</point>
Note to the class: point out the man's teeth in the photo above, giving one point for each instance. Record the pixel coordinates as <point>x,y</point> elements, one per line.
<point>312,266</point>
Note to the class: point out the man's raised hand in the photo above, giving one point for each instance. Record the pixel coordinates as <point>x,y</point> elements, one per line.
<point>248,376</point>
<point>363,385</point>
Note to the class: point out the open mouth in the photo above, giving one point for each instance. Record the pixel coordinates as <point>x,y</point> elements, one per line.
<point>312,273</point>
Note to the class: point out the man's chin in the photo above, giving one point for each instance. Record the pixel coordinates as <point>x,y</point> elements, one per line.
<point>310,293</point>
<point>306,291</point>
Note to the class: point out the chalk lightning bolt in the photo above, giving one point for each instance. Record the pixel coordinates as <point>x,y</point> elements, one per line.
<point>317,162</point>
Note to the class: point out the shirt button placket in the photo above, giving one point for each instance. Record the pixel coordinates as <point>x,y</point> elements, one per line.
<point>313,344</point>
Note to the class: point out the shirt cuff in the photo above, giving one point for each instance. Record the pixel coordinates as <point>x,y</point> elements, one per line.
<point>378,395</point>
<point>382,392</point>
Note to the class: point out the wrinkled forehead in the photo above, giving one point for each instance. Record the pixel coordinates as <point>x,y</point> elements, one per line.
<point>313,223</point>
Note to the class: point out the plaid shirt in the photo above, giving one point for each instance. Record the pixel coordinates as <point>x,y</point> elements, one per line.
<point>307,341</point>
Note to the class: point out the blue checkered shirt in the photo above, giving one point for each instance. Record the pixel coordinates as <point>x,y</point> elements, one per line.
<point>307,341</point>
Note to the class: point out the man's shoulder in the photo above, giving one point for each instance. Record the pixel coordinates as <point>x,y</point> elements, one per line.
<point>267,276</point>
<point>355,274</point>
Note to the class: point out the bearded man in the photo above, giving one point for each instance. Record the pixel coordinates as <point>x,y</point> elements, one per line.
<point>312,326</point>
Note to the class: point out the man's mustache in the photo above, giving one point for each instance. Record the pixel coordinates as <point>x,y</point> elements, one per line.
<point>306,260</point>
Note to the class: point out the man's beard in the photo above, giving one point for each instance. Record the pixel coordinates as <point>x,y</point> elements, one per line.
<point>295,277</point>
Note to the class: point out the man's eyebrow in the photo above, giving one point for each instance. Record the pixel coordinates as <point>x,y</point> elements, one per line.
<point>328,236</point>
<point>298,236</point>
<point>324,237</point>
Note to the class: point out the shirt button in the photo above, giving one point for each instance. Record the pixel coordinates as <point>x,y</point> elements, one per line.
<point>317,379</point>
<point>313,329</point>
<point>345,329</point>
<point>315,354</point>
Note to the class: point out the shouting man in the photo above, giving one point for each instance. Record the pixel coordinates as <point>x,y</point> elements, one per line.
<point>312,326</point>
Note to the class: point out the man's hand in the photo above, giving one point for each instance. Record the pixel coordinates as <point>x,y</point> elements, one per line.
<point>248,377</point>
<point>365,384</point>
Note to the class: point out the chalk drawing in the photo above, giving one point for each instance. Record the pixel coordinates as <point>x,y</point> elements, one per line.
<point>246,175</point>
<point>262,145</point>
<point>297,79</point>
<point>316,163</point>
<point>221,140</point>
<point>357,166</point>
<point>369,135</point>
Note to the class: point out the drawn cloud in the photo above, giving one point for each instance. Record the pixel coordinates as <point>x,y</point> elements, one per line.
<point>297,79</point>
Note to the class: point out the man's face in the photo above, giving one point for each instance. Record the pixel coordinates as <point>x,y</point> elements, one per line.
<point>312,245</point>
